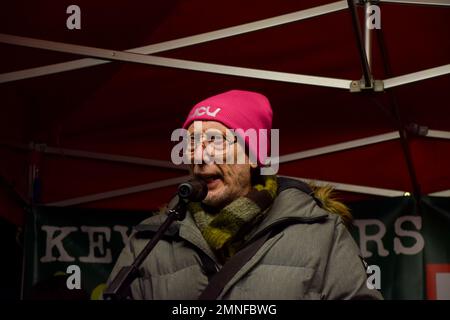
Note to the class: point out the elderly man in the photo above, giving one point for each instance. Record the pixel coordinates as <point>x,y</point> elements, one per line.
<point>254,236</point>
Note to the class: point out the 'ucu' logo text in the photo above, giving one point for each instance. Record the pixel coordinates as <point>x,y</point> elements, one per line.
<point>200,111</point>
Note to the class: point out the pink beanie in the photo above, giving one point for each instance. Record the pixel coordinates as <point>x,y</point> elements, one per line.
<point>237,109</point>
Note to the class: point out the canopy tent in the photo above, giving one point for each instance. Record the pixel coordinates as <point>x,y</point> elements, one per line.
<point>87,121</point>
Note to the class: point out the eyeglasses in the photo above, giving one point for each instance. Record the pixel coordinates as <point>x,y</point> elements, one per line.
<point>214,142</point>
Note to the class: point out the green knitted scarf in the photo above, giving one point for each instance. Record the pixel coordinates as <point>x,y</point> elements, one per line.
<point>225,230</point>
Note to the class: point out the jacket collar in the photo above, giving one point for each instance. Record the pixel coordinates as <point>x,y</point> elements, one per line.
<point>290,206</point>
<point>189,231</point>
<point>186,229</point>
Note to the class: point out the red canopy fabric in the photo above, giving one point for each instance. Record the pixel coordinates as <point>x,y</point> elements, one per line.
<point>131,109</point>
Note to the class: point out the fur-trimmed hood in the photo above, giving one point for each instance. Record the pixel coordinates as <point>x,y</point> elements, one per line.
<point>327,196</point>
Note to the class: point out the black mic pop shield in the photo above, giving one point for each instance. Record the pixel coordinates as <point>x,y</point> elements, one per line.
<point>193,190</point>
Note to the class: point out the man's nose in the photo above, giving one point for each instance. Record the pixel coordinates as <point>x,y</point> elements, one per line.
<point>200,155</point>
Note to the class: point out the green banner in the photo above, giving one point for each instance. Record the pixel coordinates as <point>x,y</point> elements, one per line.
<point>407,247</point>
<point>57,238</point>
<point>410,244</point>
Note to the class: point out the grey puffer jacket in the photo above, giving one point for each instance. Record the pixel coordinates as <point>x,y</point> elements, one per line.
<point>312,257</point>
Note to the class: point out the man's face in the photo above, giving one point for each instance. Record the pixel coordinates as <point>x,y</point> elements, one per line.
<point>227,181</point>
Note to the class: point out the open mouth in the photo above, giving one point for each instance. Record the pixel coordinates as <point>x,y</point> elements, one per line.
<point>211,179</point>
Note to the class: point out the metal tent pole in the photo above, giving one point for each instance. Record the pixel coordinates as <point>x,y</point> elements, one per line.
<point>352,187</point>
<point>170,62</point>
<point>421,2</point>
<point>443,193</point>
<point>359,43</point>
<point>417,76</point>
<point>357,143</point>
<point>368,36</point>
<point>183,42</point>
<point>402,130</point>
<point>440,134</point>
<point>119,192</point>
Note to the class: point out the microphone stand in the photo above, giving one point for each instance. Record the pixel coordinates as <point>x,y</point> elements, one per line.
<point>119,289</point>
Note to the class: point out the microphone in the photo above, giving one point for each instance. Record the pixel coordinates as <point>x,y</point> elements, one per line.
<point>193,190</point>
